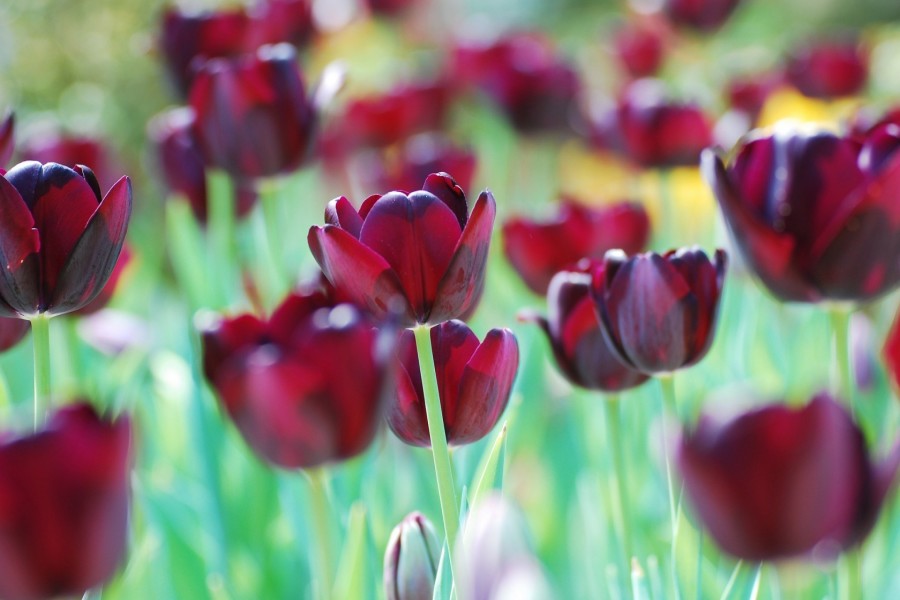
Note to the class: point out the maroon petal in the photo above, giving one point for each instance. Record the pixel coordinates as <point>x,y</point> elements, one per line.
<point>453,344</point>
<point>94,255</point>
<point>705,281</point>
<point>340,212</point>
<point>19,246</point>
<point>12,331</point>
<point>448,191</point>
<point>406,412</point>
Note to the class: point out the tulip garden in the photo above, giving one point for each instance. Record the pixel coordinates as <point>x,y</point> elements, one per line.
<point>414,299</point>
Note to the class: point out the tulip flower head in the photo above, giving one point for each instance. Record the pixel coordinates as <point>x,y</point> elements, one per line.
<point>659,312</point>
<point>702,15</point>
<point>828,69</point>
<point>639,45</point>
<point>419,258</point>
<point>59,241</point>
<point>411,559</point>
<point>778,482</point>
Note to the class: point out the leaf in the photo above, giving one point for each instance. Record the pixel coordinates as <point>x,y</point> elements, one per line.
<point>443,583</point>
<point>489,475</point>
<point>352,574</point>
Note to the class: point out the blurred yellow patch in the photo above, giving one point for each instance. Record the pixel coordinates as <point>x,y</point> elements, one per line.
<point>595,176</point>
<point>681,197</point>
<point>790,104</point>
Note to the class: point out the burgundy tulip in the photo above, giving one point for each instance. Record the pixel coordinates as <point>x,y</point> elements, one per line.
<point>276,21</point>
<point>639,46</point>
<point>748,94</point>
<point>72,150</point>
<point>59,241</point>
<point>815,215</point>
<point>828,69</point>
<point>581,350</point>
<point>64,508</point>
<point>659,311</point>
<point>390,7</point>
<point>474,379</point>
<point>181,164</point>
<point>12,331</point>
<point>779,482</point>
<point>253,118</point>
<point>539,249</point>
<point>420,255</point>
<point>7,138</point>
<point>702,15</point>
<point>304,387</point>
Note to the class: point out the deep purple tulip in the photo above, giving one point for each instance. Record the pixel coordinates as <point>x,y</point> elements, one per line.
<point>419,257</point>
<point>182,167</point>
<point>540,249</point>
<point>815,215</point>
<point>659,311</point>
<point>828,69</point>
<point>64,507</point>
<point>7,138</point>
<point>582,351</point>
<point>303,388</point>
<point>702,15</point>
<point>411,559</point>
<point>779,482</point>
<point>639,45</point>
<point>12,331</point>
<point>253,118</point>
<point>59,241</point>
<point>474,379</point>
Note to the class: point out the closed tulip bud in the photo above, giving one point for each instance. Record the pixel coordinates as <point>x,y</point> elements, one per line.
<point>828,68</point>
<point>7,138</point>
<point>639,45</point>
<point>411,559</point>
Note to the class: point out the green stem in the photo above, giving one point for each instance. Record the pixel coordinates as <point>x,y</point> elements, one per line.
<point>40,337</point>
<point>271,206</point>
<point>667,385</point>
<point>221,234</point>
<point>840,323</point>
<point>443,469</point>
<point>617,450</point>
<point>853,589</point>
<point>320,516</point>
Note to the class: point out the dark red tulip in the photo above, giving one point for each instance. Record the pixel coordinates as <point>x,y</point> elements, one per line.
<point>639,46</point>
<point>652,131</point>
<point>71,150</point>
<point>7,138</point>
<point>758,482</point>
<point>253,118</point>
<point>659,311</point>
<point>582,352</point>
<point>702,15</point>
<point>419,257</point>
<point>12,331</point>
<point>525,77</point>
<point>276,21</point>
<point>828,69</point>
<point>59,241</point>
<point>304,387</point>
<point>539,249</point>
<point>474,378</point>
<point>182,167</point>
<point>390,7</point>
<point>64,508</point>
<point>112,284</point>
<point>748,94</point>
<point>815,215</point>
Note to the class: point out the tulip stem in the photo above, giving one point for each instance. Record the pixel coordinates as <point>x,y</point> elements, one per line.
<point>222,234</point>
<point>40,337</point>
<point>271,206</point>
<point>854,560</point>
<point>840,323</point>
<point>614,427</point>
<point>320,519</point>
<point>443,469</point>
<point>667,385</point>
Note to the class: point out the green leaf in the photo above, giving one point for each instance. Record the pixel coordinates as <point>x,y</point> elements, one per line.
<point>352,573</point>
<point>489,475</point>
<point>443,583</point>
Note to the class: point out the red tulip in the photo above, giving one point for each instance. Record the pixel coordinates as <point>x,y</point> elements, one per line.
<point>828,69</point>
<point>815,215</point>
<point>284,382</point>
<point>474,379</point>
<point>749,94</point>
<point>779,482</point>
<point>64,508</point>
<point>639,45</point>
<point>12,331</point>
<point>7,138</point>
<point>389,7</point>
<point>253,118</point>
<point>702,15</point>
<point>659,311</point>
<point>539,249</point>
<point>421,255</point>
<point>71,151</point>
<point>581,350</point>
<point>276,21</point>
<point>59,241</point>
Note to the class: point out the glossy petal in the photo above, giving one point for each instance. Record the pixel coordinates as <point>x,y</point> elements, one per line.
<point>341,213</point>
<point>19,246</point>
<point>445,188</point>
<point>406,412</point>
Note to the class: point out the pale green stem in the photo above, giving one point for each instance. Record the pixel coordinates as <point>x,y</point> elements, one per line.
<point>853,589</point>
<point>40,337</point>
<point>667,385</point>
<point>443,469</point>
<point>617,450</point>
<point>840,323</point>
<point>220,192</point>
<point>321,517</point>
<point>271,205</point>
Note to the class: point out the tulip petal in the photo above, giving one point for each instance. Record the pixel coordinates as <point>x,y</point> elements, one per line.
<point>19,246</point>
<point>406,412</point>
<point>94,255</point>
<point>448,191</point>
<point>341,213</point>
<point>453,344</point>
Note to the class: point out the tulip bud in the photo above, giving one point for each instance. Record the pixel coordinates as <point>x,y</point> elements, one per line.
<point>411,559</point>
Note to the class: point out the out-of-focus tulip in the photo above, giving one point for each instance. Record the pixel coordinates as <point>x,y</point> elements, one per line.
<point>12,331</point>
<point>828,69</point>
<point>253,118</point>
<point>523,75</point>
<point>652,131</point>
<point>112,284</point>
<point>71,150</point>
<point>181,163</point>
<point>581,350</point>
<point>779,482</point>
<point>639,46</point>
<point>659,311</point>
<point>389,7</point>
<point>702,15</point>
<point>748,94</point>
<point>59,241</point>
<point>411,559</point>
<point>474,380</point>
<point>276,21</point>
<point>419,257</point>
<point>815,215</point>
<point>539,249</point>
<point>285,384</point>
<point>7,138</point>
<point>64,509</point>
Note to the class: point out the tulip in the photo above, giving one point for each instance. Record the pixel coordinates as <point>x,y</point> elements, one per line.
<point>7,138</point>
<point>581,350</point>
<point>253,118</point>
<point>780,482</point>
<point>538,250</point>
<point>106,294</point>
<point>828,69</point>
<point>419,257</point>
<point>64,514</point>
<point>639,46</point>
<point>276,21</point>
<point>474,380</point>
<point>702,15</point>
<point>389,7</point>
<point>11,332</point>
<point>659,311</point>
<point>284,381</point>
<point>749,94</point>
<point>59,241</point>
<point>411,559</point>
<point>814,214</point>
<point>71,151</point>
